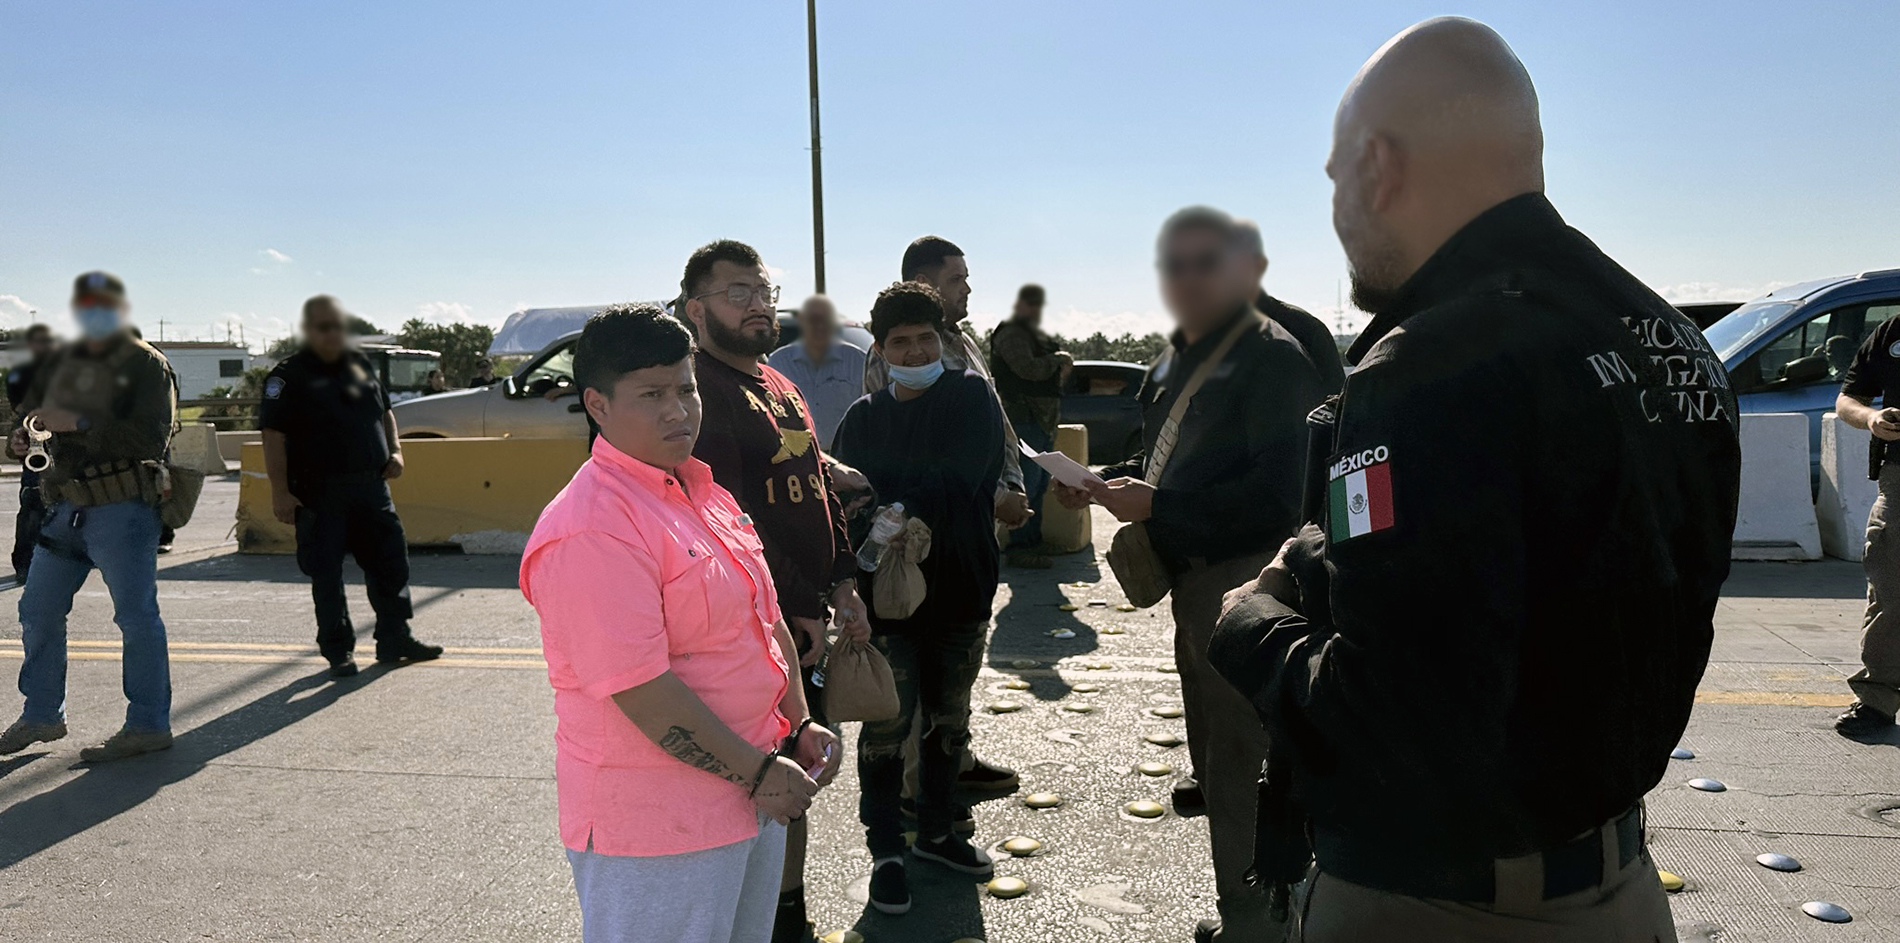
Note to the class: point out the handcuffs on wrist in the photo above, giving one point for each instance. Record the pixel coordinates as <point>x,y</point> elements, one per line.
<point>787,747</point>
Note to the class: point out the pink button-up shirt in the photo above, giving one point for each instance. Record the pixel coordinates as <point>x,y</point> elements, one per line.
<point>634,576</point>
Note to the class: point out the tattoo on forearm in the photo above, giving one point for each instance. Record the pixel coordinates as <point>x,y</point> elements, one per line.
<point>678,742</point>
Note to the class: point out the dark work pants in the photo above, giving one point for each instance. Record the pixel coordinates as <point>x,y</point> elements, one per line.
<point>26,524</point>
<point>934,671</point>
<point>355,516</point>
<point>1035,479</point>
<point>1226,743</point>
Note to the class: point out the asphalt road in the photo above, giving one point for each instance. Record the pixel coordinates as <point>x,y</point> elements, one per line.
<point>418,804</point>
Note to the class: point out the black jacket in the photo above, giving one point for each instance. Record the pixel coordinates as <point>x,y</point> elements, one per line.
<point>1313,335</point>
<point>1523,529</point>
<point>1232,484</point>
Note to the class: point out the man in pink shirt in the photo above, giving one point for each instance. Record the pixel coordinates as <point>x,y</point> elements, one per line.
<point>682,749</point>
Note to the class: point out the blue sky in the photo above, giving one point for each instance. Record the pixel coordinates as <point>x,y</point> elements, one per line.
<point>459,160</point>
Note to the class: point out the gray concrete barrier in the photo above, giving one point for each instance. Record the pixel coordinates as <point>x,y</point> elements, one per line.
<point>1776,519</point>
<point>1846,495</point>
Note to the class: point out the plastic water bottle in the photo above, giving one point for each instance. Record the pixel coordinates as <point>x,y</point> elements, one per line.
<point>889,520</point>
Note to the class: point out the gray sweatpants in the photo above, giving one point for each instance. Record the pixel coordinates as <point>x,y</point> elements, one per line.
<point>1878,683</point>
<point>727,894</point>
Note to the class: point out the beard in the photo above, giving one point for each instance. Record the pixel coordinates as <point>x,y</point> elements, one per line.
<point>1372,260</point>
<point>756,342</point>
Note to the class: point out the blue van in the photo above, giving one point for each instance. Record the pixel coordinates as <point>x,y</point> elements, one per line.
<point>1786,351</point>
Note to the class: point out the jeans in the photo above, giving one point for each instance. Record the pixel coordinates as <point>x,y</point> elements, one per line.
<point>121,541</point>
<point>1035,477</point>
<point>354,515</point>
<point>934,671</point>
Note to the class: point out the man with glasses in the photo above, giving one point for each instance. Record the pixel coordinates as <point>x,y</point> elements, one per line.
<point>1219,493</point>
<point>330,450</point>
<point>756,435</point>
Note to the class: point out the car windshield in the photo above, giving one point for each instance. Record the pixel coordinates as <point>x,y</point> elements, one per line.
<point>410,372</point>
<point>1731,335</point>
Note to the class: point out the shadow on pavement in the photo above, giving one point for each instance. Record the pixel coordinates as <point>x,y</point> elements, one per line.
<point>1821,579</point>
<point>107,789</point>
<point>18,760</point>
<point>944,906</point>
<point>462,571</point>
<point>1023,625</point>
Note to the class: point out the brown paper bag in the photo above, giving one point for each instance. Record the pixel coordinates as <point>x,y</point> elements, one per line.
<point>858,684</point>
<point>898,589</point>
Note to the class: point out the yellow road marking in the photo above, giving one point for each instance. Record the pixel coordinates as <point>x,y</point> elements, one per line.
<point>1777,698</point>
<point>284,647</point>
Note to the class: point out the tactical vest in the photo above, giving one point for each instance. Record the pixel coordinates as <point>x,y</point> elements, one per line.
<point>86,469</point>
<point>1010,384</point>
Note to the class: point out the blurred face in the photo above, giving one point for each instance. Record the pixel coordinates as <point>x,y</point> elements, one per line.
<point>748,328</point>
<point>817,323</point>
<point>40,344</point>
<point>1204,276</point>
<point>952,281</point>
<point>911,345</point>
<point>1029,313</point>
<point>323,332</point>
<point>1373,256</point>
<point>653,414</point>
<point>485,370</point>
<point>98,317</point>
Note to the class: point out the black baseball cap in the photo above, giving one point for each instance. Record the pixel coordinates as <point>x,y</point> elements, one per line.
<point>99,285</point>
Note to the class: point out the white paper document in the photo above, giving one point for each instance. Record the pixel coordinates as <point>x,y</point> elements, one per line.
<point>1061,467</point>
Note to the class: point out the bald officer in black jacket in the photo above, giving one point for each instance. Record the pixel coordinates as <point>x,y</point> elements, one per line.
<point>1484,650</point>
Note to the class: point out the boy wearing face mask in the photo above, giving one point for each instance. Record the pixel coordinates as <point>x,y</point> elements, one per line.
<point>932,440</point>
<point>109,400</point>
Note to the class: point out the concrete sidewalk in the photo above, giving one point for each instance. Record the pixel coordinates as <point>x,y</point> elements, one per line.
<point>418,804</point>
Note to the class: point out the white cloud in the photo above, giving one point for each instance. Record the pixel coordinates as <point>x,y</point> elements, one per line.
<point>276,256</point>
<point>1692,292</point>
<point>447,312</point>
<point>15,312</point>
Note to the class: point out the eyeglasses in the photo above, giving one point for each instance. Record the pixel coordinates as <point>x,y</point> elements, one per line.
<point>741,295</point>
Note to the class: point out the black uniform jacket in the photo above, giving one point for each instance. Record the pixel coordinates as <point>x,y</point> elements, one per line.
<point>1520,536</point>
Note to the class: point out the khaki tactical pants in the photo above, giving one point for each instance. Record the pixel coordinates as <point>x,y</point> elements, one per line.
<point>1630,908</point>
<point>1878,683</point>
<point>1226,743</point>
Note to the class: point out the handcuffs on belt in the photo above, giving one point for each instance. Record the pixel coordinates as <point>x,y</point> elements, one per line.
<point>37,458</point>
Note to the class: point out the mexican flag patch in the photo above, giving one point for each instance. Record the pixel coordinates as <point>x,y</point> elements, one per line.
<point>1361,494</point>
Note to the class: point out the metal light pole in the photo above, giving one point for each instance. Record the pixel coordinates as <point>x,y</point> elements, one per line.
<point>817,171</point>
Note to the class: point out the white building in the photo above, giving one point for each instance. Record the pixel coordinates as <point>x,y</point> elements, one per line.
<point>201,365</point>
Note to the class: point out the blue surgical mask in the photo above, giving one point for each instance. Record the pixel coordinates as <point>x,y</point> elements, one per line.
<point>918,378</point>
<point>97,322</point>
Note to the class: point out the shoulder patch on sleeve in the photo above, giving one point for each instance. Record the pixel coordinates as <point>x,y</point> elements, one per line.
<point>1359,493</point>
<point>273,387</point>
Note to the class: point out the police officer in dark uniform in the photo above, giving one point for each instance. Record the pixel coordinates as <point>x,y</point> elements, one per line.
<point>1875,372</point>
<point>40,345</point>
<point>330,449</point>
<point>1479,653</point>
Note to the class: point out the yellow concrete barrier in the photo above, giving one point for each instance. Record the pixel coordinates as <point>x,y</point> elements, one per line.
<point>1063,529</point>
<point>231,444</point>
<point>195,446</point>
<point>482,495</point>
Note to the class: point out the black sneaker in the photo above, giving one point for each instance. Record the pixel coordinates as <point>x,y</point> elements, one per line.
<point>406,649</point>
<point>953,852</point>
<point>1860,720</point>
<point>890,889</point>
<point>791,925</point>
<point>342,666</point>
<point>1207,931</point>
<point>1189,800</point>
<point>988,777</point>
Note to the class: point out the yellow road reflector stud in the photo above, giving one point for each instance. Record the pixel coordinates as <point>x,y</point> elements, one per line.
<point>1085,687</point>
<point>1081,584</point>
<point>1042,800</point>
<point>1080,707</point>
<point>1024,664</point>
<point>1154,768</point>
<point>1005,707</point>
<point>1063,633</point>
<point>1167,668</point>
<point>1068,607</point>
<point>1164,739</point>
<point>1124,607</point>
<point>1100,666</point>
<point>1169,712</point>
<point>1111,630</point>
<point>1670,882</point>
<point>1016,684</point>
<point>842,936</point>
<point>1021,846</point>
<point>1006,888</point>
<point>1144,809</point>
